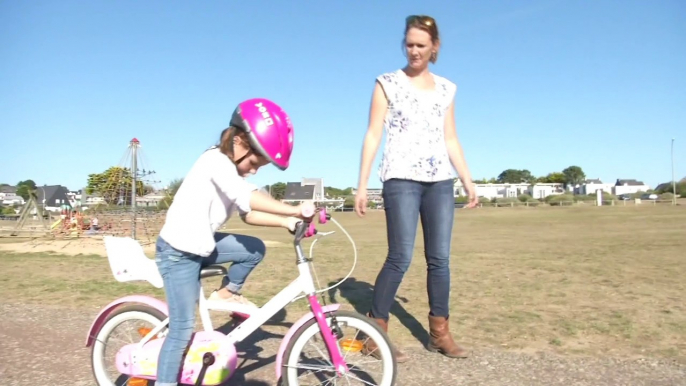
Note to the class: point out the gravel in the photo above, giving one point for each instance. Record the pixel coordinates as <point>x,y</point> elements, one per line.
<point>45,346</point>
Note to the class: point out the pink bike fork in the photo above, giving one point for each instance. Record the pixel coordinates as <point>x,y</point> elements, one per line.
<point>338,361</point>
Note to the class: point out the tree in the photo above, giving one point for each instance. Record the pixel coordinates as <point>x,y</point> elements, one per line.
<point>114,185</point>
<point>330,191</point>
<point>147,189</point>
<point>553,178</point>
<point>514,176</point>
<point>171,190</point>
<point>174,186</point>
<point>278,190</point>
<point>574,175</point>
<point>26,188</point>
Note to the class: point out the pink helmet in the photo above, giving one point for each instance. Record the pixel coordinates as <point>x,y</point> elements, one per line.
<point>268,127</point>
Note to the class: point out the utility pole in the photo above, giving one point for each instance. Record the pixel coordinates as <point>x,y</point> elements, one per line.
<point>134,173</point>
<point>673,179</point>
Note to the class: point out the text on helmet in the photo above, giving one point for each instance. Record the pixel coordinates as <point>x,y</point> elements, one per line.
<point>265,114</point>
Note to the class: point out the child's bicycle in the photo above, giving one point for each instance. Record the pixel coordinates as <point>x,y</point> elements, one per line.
<point>336,357</point>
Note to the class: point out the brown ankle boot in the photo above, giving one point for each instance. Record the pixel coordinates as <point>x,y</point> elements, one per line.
<point>441,340</point>
<point>370,346</point>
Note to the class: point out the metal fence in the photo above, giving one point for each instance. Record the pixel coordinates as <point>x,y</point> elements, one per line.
<point>534,204</point>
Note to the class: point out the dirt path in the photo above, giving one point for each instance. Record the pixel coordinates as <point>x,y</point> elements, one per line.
<point>45,347</point>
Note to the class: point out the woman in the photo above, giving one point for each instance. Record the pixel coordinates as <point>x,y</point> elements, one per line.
<point>260,133</point>
<point>417,109</point>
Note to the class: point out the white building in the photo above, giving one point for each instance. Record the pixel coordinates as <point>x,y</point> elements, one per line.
<point>152,199</point>
<point>629,187</point>
<point>8,196</point>
<point>492,190</point>
<point>542,190</point>
<point>318,184</point>
<point>590,186</point>
<point>373,195</point>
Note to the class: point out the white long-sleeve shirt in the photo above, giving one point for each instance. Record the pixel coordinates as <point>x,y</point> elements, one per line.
<point>210,193</point>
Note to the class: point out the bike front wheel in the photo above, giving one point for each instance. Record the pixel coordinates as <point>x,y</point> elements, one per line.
<point>307,361</point>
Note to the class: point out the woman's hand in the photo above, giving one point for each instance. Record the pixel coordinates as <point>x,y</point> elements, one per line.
<point>361,202</point>
<point>471,193</point>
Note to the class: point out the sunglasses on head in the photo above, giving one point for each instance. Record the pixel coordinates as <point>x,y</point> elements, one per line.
<point>426,20</point>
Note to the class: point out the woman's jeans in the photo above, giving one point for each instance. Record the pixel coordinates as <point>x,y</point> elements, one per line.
<point>181,275</point>
<point>406,201</point>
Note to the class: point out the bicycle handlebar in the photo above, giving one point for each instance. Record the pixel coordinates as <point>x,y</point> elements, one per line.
<point>306,229</point>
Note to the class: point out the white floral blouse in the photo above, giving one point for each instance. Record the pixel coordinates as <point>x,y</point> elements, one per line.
<point>415,146</point>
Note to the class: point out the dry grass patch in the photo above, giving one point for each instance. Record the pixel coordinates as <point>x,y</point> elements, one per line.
<point>586,281</point>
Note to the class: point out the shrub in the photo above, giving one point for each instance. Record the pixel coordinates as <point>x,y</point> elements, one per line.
<point>584,197</point>
<point>484,200</point>
<point>666,196</point>
<point>461,200</point>
<point>559,199</point>
<point>506,200</point>
<point>526,198</point>
<point>7,210</point>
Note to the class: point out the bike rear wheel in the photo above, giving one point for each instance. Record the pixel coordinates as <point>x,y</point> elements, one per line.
<point>139,317</point>
<point>351,346</point>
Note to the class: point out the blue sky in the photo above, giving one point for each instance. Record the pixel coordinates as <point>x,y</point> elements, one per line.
<point>541,84</point>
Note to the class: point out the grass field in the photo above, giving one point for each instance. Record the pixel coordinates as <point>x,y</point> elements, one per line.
<point>591,281</point>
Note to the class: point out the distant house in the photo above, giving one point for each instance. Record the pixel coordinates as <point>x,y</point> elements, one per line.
<point>374,195</point>
<point>296,192</point>
<point>542,190</point>
<point>318,184</point>
<point>8,196</point>
<point>52,197</point>
<point>590,186</point>
<point>151,199</point>
<point>626,186</point>
<point>492,190</point>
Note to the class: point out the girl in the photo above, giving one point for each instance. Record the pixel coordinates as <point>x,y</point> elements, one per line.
<point>260,133</point>
<point>417,108</point>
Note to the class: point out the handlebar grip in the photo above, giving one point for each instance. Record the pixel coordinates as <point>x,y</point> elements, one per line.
<point>307,211</point>
<point>307,229</point>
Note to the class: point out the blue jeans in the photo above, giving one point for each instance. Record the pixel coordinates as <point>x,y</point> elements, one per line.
<point>181,275</point>
<point>406,201</point>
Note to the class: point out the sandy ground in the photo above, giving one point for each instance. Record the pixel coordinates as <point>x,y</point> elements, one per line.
<point>80,246</point>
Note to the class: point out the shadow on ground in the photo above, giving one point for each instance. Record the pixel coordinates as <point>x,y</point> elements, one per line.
<point>359,295</point>
<point>250,354</point>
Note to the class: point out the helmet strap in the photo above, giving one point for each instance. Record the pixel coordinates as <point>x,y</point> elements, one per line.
<point>232,135</point>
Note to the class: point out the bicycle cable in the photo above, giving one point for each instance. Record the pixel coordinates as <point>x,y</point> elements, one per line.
<point>314,272</point>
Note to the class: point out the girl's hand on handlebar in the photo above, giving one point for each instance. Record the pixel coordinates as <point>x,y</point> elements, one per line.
<point>306,210</point>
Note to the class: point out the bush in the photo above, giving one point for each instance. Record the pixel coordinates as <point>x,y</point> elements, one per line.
<point>526,198</point>
<point>7,210</point>
<point>484,200</point>
<point>461,200</point>
<point>506,200</point>
<point>559,199</point>
<point>584,198</point>
<point>666,196</point>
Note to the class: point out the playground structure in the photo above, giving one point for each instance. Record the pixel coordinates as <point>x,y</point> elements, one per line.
<point>120,217</point>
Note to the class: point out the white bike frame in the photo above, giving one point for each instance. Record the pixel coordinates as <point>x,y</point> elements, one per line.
<point>302,285</point>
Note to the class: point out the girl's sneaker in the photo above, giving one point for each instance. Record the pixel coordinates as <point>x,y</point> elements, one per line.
<point>234,298</point>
